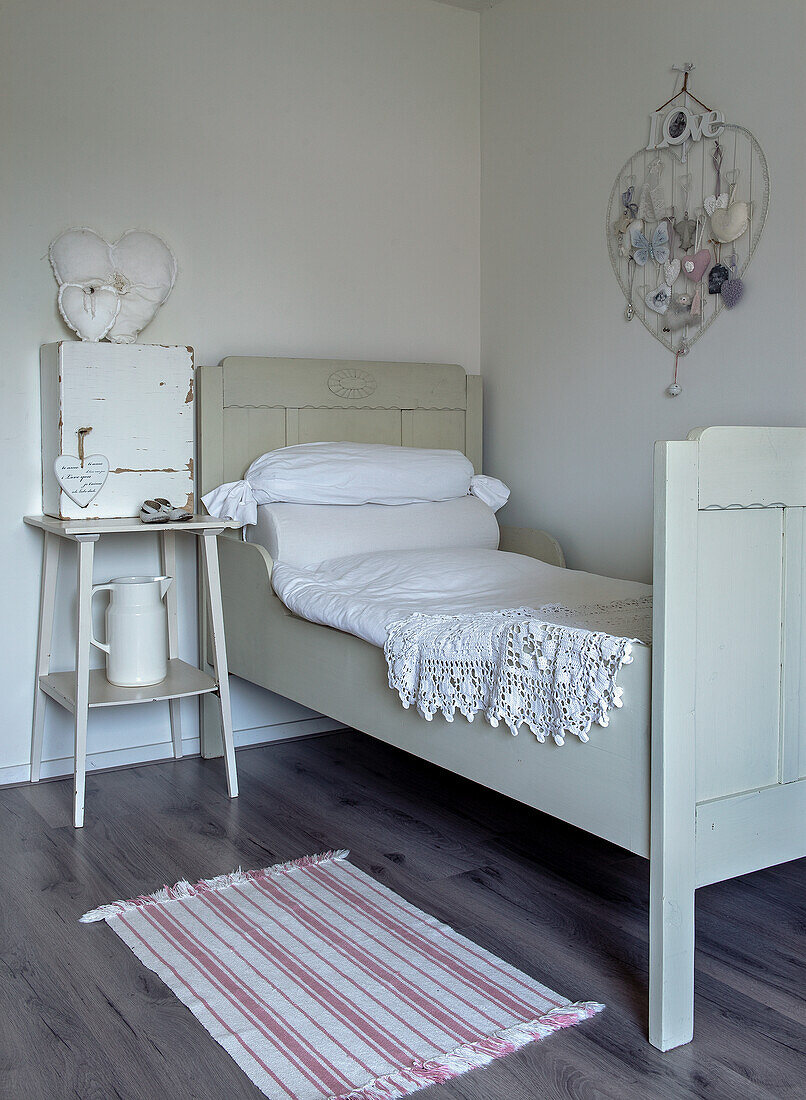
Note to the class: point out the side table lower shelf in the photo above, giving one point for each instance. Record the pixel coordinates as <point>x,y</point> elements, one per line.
<point>84,689</point>
<point>182,680</point>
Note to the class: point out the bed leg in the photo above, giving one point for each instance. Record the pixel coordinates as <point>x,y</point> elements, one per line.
<point>210,737</point>
<point>673,822</point>
<point>671,958</point>
<point>212,742</point>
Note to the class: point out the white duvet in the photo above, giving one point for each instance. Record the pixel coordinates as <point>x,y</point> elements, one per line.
<point>363,594</point>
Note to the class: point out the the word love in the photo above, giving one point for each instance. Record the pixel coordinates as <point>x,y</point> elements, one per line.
<point>680,125</point>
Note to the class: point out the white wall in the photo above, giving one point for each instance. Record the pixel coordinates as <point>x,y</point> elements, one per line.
<point>315,166</point>
<point>574,395</point>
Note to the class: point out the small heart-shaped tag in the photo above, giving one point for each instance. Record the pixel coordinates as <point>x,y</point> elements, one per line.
<point>89,309</point>
<point>694,267</point>
<point>81,483</point>
<point>728,225</point>
<point>671,270</point>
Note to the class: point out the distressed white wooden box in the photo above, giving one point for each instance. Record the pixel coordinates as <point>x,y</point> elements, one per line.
<point>138,401</point>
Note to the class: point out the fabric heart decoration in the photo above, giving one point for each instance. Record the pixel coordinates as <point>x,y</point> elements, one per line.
<point>715,202</point>
<point>89,309</point>
<point>694,267</point>
<point>671,269</point>
<point>732,291</point>
<point>728,225</point>
<point>139,269</point>
<point>82,482</point>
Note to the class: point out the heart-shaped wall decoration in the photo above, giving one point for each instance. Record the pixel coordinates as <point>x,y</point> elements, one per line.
<point>671,269</point>
<point>139,268</point>
<point>640,285</point>
<point>81,481</point>
<point>89,309</point>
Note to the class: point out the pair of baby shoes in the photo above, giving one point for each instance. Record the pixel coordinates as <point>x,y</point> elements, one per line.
<point>161,510</point>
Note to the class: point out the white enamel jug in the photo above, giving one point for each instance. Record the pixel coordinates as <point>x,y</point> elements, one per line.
<point>136,645</point>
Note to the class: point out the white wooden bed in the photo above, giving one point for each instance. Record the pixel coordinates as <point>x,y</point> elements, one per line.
<point>703,770</point>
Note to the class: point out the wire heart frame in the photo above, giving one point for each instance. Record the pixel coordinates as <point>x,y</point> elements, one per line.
<point>744,161</point>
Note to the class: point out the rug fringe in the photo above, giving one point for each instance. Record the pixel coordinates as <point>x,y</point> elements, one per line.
<point>469,1056</point>
<point>185,889</point>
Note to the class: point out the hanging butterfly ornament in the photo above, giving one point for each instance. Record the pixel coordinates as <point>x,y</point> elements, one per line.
<point>691,149</point>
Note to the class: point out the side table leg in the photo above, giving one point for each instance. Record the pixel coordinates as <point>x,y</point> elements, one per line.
<point>210,555</point>
<point>168,550</point>
<point>86,547</point>
<point>47,602</point>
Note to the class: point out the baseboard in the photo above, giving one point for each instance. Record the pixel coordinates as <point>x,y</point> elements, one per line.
<point>282,731</point>
<point>59,767</point>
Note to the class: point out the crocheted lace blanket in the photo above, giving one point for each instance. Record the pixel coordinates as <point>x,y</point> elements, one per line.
<point>551,668</point>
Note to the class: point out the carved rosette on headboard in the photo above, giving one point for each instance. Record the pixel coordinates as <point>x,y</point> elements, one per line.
<point>351,383</point>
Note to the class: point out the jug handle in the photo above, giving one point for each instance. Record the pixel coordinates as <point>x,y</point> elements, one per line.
<point>95,589</point>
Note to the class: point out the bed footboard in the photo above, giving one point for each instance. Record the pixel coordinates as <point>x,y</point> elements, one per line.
<point>728,788</point>
<point>534,544</point>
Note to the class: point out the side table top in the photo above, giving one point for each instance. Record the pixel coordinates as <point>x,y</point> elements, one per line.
<point>73,528</point>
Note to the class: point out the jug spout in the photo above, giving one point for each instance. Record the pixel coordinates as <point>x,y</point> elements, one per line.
<point>165,584</point>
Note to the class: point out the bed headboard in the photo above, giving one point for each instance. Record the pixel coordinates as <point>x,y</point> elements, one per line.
<point>247,406</point>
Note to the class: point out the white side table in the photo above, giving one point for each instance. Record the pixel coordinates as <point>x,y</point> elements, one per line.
<point>83,689</point>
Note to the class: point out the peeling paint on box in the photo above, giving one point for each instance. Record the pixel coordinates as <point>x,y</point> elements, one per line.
<point>144,470</point>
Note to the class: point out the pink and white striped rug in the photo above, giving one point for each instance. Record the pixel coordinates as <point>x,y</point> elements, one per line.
<point>324,985</point>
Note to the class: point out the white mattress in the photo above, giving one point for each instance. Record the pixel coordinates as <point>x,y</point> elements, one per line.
<point>363,594</point>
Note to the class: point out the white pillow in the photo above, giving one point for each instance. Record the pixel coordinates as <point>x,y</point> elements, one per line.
<point>343,473</point>
<point>307,534</point>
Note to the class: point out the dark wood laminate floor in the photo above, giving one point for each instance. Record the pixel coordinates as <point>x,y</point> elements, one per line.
<point>81,1017</point>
